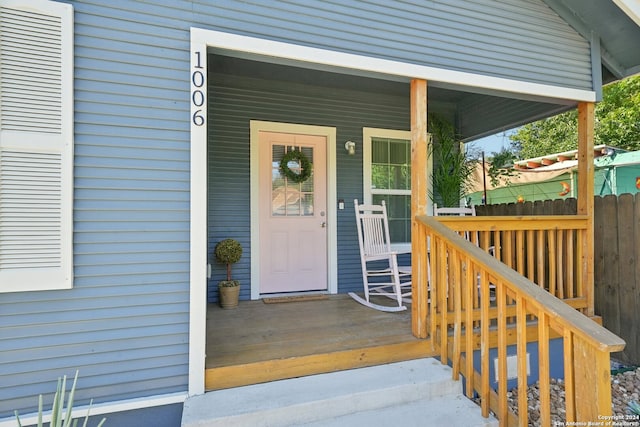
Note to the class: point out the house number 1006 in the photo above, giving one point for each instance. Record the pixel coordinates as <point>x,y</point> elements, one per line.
<point>197,95</point>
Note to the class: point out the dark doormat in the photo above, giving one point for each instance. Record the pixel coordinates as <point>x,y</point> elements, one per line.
<point>294,298</point>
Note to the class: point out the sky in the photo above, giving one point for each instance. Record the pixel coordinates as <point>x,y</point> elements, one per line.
<point>491,144</point>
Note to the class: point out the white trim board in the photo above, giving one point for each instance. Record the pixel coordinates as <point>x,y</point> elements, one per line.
<point>198,222</point>
<point>103,408</point>
<point>341,60</point>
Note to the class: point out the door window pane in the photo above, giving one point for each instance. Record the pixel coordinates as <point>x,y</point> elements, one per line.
<point>290,198</point>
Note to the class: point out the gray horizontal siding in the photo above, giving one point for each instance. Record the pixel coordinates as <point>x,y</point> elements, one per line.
<point>124,325</point>
<point>515,39</point>
<point>235,101</point>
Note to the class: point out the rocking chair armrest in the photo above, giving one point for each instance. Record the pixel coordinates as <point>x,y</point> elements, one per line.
<point>404,270</point>
<point>381,256</point>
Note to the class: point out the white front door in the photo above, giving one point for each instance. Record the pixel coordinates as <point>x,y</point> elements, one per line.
<point>292,215</point>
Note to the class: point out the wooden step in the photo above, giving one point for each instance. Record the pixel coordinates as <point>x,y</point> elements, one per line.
<point>290,367</point>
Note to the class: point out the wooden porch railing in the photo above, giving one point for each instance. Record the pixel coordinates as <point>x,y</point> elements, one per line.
<point>471,291</point>
<point>545,249</point>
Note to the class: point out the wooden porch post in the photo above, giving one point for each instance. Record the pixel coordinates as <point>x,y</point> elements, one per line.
<point>586,119</point>
<point>419,191</point>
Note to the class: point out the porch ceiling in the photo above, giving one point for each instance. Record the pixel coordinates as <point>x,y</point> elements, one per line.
<point>476,114</point>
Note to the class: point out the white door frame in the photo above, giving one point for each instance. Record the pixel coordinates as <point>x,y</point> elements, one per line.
<point>332,229</point>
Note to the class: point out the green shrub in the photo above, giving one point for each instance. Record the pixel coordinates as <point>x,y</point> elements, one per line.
<point>452,170</point>
<point>228,251</point>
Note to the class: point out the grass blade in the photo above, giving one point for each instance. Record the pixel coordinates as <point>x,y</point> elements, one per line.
<point>68,417</point>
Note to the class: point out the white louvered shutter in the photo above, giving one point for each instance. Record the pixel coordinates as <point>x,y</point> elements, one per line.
<point>36,145</point>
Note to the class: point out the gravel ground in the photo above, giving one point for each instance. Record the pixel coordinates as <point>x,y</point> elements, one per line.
<point>625,387</point>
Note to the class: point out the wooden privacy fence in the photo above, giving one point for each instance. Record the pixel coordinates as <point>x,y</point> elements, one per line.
<point>477,302</point>
<point>616,259</point>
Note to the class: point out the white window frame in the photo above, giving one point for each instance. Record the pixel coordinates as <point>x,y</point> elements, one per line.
<point>367,136</point>
<point>25,142</point>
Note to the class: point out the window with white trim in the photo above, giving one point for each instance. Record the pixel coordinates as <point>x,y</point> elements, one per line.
<point>387,176</point>
<point>36,145</point>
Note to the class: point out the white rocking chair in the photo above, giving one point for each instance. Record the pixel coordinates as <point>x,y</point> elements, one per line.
<point>467,211</point>
<point>380,271</point>
<point>459,211</point>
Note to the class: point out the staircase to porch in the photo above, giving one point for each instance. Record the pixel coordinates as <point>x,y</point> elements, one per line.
<point>411,393</point>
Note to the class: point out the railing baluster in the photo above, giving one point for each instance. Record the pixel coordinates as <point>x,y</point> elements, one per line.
<point>471,290</point>
<point>569,375</point>
<point>522,360</point>
<point>540,253</point>
<point>433,285</point>
<point>475,293</point>
<point>503,407</point>
<point>509,258</point>
<point>484,237</point>
<point>551,234</point>
<point>484,346</point>
<point>455,266</point>
<point>543,369</point>
<point>570,263</point>
<point>443,275</point>
<point>508,248</point>
<point>530,260</point>
<point>580,235</point>
<point>561,265</point>
<point>521,267</point>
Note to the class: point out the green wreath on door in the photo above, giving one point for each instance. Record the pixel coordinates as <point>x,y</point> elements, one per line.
<point>305,166</point>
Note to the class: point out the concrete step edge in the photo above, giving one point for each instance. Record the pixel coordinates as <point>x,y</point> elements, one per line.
<point>316,397</point>
<point>448,411</point>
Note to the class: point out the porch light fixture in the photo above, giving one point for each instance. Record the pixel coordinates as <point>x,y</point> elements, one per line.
<point>350,146</point>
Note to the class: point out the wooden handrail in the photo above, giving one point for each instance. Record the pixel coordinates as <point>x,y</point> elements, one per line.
<point>529,222</point>
<point>464,308</point>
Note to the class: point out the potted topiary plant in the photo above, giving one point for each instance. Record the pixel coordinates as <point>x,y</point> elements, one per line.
<point>228,251</point>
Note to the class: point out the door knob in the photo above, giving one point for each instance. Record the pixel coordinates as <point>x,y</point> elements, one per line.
<point>323,224</point>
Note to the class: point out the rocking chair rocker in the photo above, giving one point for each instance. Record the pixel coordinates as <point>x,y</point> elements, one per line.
<point>380,271</point>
